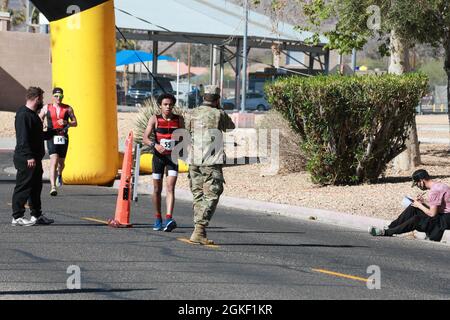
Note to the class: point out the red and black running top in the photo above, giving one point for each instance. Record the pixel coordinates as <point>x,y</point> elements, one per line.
<point>53,116</point>
<point>164,131</point>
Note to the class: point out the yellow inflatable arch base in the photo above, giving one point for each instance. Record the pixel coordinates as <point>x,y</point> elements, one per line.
<point>83,64</point>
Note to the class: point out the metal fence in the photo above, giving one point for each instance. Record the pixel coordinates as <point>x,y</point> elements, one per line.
<point>432,108</point>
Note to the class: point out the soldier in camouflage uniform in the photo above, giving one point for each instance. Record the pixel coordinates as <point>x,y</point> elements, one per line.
<point>206,158</point>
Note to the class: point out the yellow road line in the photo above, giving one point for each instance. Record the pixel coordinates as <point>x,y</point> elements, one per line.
<point>194,244</point>
<point>342,275</point>
<point>95,220</point>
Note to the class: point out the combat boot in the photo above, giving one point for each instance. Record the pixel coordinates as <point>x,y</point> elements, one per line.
<point>199,235</point>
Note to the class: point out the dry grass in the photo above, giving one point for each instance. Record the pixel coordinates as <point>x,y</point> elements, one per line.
<point>291,157</point>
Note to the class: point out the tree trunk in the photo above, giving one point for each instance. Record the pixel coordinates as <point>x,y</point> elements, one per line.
<point>276,52</point>
<point>447,70</point>
<point>414,145</point>
<point>399,64</point>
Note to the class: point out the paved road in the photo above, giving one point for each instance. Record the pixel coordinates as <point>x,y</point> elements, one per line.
<point>259,256</point>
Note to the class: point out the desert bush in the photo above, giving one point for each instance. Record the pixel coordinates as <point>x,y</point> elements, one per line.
<point>349,127</point>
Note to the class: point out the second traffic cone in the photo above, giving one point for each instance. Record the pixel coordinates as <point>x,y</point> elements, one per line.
<point>122,216</point>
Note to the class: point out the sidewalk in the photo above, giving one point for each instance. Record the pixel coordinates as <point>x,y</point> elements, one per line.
<point>359,223</point>
<point>7,143</point>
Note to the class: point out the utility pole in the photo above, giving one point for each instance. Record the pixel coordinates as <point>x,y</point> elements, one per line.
<point>354,60</point>
<point>189,70</point>
<point>29,15</point>
<point>244,65</point>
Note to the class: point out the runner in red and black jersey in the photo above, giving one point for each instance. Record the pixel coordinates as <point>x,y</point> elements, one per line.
<point>59,117</point>
<point>158,135</point>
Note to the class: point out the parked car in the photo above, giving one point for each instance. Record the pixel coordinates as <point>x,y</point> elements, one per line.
<point>142,90</point>
<point>255,101</point>
<point>120,95</point>
<point>194,99</point>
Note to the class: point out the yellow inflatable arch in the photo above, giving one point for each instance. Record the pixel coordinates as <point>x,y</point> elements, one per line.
<point>83,64</point>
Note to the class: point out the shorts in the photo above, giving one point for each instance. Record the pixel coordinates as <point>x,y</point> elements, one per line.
<point>159,164</point>
<point>59,149</point>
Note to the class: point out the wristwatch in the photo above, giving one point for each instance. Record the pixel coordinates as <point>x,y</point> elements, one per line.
<point>152,144</point>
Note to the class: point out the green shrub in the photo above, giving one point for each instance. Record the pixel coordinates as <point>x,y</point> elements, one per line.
<point>350,127</point>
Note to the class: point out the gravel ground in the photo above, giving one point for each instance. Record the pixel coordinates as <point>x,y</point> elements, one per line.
<point>7,124</point>
<point>380,200</point>
<point>432,119</point>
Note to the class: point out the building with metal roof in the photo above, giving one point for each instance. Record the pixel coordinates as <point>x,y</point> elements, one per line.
<point>220,24</point>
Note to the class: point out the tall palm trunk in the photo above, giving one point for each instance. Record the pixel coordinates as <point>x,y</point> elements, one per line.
<point>447,70</point>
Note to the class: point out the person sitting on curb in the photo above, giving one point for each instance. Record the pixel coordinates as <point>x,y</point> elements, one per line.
<point>432,218</point>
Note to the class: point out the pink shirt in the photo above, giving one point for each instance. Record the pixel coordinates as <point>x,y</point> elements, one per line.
<point>440,196</point>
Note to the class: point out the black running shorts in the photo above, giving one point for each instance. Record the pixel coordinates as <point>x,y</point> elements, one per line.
<point>160,162</point>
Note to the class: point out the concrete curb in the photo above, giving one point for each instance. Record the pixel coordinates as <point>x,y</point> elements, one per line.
<point>356,222</point>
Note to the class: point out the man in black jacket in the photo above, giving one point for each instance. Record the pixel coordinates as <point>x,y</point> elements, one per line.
<point>28,161</point>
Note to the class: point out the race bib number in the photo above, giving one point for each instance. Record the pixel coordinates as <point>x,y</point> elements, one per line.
<point>168,144</point>
<point>60,140</point>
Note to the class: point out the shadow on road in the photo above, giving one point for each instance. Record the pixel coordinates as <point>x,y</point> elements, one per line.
<point>67,291</point>
<point>403,179</point>
<point>8,181</point>
<point>71,195</point>
<point>312,245</point>
<point>260,232</point>
<point>78,225</point>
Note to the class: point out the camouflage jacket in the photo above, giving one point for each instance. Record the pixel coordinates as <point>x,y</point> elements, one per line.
<point>206,125</point>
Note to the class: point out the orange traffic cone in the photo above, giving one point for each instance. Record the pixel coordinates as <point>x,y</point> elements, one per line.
<point>122,216</point>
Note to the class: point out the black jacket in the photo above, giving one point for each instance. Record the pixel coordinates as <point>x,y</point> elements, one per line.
<point>30,135</point>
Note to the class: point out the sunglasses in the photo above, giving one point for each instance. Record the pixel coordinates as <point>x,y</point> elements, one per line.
<point>58,96</point>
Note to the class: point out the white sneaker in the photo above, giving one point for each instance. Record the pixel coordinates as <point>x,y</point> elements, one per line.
<point>22,222</point>
<point>42,220</point>
<point>53,192</point>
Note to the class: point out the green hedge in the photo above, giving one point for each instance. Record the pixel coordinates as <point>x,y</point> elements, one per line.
<point>350,127</point>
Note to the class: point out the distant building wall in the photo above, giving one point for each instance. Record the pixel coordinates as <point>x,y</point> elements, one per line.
<point>24,62</point>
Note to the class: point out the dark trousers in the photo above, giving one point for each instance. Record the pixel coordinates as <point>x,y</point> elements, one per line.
<point>28,188</point>
<point>412,219</point>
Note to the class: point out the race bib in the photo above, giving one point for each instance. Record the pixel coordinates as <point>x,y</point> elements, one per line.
<point>60,140</point>
<point>167,144</point>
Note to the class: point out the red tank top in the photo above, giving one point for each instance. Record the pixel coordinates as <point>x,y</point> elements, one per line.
<point>164,131</point>
<point>53,116</point>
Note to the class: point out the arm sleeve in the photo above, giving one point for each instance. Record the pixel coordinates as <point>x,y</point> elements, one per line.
<point>225,122</point>
<point>23,130</point>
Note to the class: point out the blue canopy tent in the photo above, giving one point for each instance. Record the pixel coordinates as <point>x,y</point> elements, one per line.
<point>131,56</point>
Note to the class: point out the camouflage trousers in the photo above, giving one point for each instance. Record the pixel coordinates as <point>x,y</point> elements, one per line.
<point>206,184</point>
